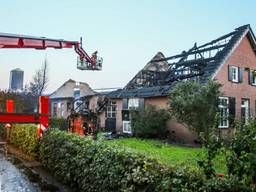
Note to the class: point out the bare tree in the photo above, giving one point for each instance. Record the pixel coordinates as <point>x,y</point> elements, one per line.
<point>40,80</point>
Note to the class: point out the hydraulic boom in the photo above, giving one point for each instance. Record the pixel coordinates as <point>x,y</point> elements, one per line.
<point>85,62</point>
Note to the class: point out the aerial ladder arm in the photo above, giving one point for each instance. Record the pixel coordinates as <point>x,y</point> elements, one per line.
<point>85,62</point>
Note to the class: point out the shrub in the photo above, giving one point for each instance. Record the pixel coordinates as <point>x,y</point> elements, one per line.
<point>25,138</point>
<point>241,159</point>
<point>195,104</point>
<point>89,165</point>
<point>2,131</point>
<point>150,123</point>
<point>226,184</point>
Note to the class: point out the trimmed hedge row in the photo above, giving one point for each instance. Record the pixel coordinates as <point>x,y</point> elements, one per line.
<point>89,165</point>
<point>93,166</point>
<point>25,138</point>
<point>2,131</point>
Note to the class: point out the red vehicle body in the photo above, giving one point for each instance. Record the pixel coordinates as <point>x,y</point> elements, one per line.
<point>41,118</point>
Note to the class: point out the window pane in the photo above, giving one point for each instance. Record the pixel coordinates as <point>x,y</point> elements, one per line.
<point>224,112</point>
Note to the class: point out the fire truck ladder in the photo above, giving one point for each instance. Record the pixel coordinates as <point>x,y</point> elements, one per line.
<point>85,62</point>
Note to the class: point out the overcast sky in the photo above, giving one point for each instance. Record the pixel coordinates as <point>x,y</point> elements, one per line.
<point>127,34</point>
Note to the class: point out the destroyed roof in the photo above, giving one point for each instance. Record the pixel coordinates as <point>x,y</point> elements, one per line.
<point>199,63</point>
<point>67,90</point>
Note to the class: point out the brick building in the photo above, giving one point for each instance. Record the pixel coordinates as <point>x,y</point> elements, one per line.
<point>229,60</point>
<point>63,99</point>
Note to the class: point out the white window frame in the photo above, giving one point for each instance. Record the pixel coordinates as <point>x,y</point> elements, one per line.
<point>133,103</point>
<point>246,106</point>
<point>111,110</point>
<point>234,74</point>
<point>62,111</point>
<point>127,128</point>
<point>224,107</point>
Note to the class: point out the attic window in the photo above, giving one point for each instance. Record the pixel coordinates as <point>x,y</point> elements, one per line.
<point>234,72</point>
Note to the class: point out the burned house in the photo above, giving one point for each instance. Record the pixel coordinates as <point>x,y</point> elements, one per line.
<point>80,98</point>
<point>229,60</point>
<point>63,99</point>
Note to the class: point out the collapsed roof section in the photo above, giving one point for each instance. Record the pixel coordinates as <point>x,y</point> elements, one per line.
<point>152,74</point>
<point>199,63</point>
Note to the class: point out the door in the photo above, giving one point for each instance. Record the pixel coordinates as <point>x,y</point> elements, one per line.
<point>110,122</point>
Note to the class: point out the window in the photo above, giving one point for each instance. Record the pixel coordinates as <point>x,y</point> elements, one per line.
<point>245,114</point>
<point>127,127</point>
<point>234,72</point>
<point>253,77</point>
<point>254,80</point>
<point>224,112</point>
<point>133,103</point>
<point>68,106</point>
<point>111,110</point>
<point>55,109</point>
<point>62,109</point>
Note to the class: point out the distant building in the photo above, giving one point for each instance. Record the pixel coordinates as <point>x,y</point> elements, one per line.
<point>16,79</point>
<point>67,95</point>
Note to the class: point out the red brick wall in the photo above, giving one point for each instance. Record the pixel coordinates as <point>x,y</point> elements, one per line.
<point>159,102</point>
<point>243,56</point>
<point>119,106</point>
<point>177,130</point>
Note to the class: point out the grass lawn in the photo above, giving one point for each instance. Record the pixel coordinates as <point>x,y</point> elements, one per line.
<point>166,153</point>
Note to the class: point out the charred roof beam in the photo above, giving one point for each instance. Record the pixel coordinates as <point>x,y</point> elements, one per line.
<point>199,51</point>
<point>190,62</point>
<point>218,39</point>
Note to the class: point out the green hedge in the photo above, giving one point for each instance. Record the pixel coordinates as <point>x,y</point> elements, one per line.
<point>2,131</point>
<point>25,138</point>
<point>93,166</point>
<point>88,165</point>
<point>150,123</point>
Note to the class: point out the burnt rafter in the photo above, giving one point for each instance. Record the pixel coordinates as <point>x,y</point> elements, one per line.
<point>216,44</point>
<point>198,62</point>
<point>195,51</point>
<point>189,63</point>
<point>186,65</point>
